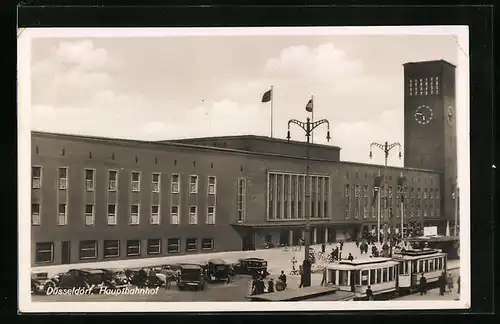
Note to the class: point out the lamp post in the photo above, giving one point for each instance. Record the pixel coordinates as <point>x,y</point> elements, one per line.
<point>401,188</point>
<point>308,127</point>
<point>386,148</point>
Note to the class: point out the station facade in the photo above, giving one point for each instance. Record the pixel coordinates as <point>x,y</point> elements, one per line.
<point>98,199</point>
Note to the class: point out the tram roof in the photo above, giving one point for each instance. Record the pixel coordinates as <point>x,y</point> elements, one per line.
<point>415,254</point>
<point>435,238</point>
<point>361,263</point>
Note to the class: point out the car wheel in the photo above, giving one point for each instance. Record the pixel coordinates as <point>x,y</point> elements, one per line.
<point>49,284</point>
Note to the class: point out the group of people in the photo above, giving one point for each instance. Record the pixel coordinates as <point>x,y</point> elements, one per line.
<point>259,284</point>
<point>446,284</point>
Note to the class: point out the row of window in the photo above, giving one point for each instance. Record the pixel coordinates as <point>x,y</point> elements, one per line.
<point>88,250</point>
<point>133,217</point>
<point>429,265</point>
<point>427,193</point>
<point>372,276</point>
<point>289,192</point>
<point>423,86</point>
<point>113,175</point>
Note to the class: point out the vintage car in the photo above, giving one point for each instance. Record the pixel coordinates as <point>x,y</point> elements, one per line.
<point>142,277</point>
<point>218,270</point>
<point>191,276</point>
<point>83,278</point>
<point>116,278</point>
<point>40,282</point>
<point>252,266</point>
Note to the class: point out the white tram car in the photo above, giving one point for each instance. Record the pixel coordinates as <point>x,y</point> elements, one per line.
<point>414,263</point>
<point>381,274</point>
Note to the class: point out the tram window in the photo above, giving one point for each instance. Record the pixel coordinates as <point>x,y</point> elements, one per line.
<point>431,265</point>
<point>406,267</point>
<point>421,266</point>
<point>391,269</point>
<point>343,280</point>
<point>379,275</point>
<point>426,262</point>
<point>364,278</point>
<point>414,267</point>
<point>333,276</point>
<point>356,277</point>
<point>384,275</point>
<point>440,262</point>
<point>401,267</point>
<point>372,276</point>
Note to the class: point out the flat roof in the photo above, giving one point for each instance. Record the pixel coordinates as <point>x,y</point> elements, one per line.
<point>433,61</point>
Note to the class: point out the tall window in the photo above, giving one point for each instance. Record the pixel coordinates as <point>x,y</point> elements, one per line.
<point>327,197</point>
<point>174,215</point>
<point>88,250</point>
<point>301,194</point>
<point>111,248</point>
<point>431,194</point>
<point>193,215</point>
<point>44,252</point>
<point>270,185</point>
<point>357,203</point>
<point>286,183</point>
<point>136,181</point>
<point>36,177</point>
<point>175,183</point>
<point>133,247</point>
<point>241,198</point>
<point>63,178</point>
<point>193,184</point>
<point>155,183</point>
<point>112,180</point>
<point>89,179</point>
<point>111,214</point>
<point>437,194</point>
<point>346,200</point>
<point>390,192</point>
<point>155,215</point>
<point>89,214</point>
<point>279,182</point>
<point>212,185</point>
<point>293,195</point>
<point>62,218</point>
<point>134,214</point>
<point>210,215</point>
<point>425,193</point>
<point>418,193</point>
<point>35,214</point>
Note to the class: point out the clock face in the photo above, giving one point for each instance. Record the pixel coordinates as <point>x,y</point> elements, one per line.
<point>423,114</point>
<point>450,114</point>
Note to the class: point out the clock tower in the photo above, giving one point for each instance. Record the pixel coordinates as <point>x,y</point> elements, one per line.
<point>429,124</point>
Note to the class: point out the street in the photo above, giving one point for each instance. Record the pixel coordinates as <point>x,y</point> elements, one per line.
<point>278,259</point>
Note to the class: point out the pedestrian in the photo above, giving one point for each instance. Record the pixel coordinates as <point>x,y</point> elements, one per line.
<point>254,286</point>
<point>442,284</point>
<point>450,283</point>
<point>270,286</point>
<point>350,257</point>
<point>458,285</point>
<point>357,242</point>
<point>341,245</point>
<point>369,293</point>
<point>323,247</point>
<point>282,277</point>
<point>423,285</point>
<point>323,279</point>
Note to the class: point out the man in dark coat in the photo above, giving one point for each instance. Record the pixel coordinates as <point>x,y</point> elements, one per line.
<point>423,285</point>
<point>270,286</point>
<point>323,247</point>
<point>442,284</point>
<point>369,293</point>
<point>350,257</point>
<point>282,277</point>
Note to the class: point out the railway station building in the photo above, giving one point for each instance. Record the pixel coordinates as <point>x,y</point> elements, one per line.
<point>99,199</point>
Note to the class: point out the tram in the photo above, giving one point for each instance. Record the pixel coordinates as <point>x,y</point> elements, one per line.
<point>413,263</point>
<point>448,244</point>
<point>380,273</point>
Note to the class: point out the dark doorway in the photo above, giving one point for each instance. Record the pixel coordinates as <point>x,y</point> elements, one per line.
<point>320,235</point>
<point>248,242</point>
<point>284,237</point>
<point>355,234</point>
<point>66,252</point>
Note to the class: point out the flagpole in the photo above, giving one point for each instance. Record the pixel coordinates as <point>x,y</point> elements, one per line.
<point>312,118</point>
<point>378,212</point>
<point>272,113</point>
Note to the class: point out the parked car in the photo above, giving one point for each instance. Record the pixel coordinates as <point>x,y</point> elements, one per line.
<point>218,270</point>
<point>145,277</point>
<point>253,267</point>
<point>191,276</point>
<point>40,282</point>
<point>83,278</point>
<point>116,278</point>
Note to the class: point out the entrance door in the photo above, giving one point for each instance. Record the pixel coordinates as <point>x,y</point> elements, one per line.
<point>248,242</point>
<point>66,252</point>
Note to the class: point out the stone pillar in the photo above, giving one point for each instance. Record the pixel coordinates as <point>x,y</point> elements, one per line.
<point>303,234</point>
<point>315,235</point>
<point>290,238</point>
<point>326,235</point>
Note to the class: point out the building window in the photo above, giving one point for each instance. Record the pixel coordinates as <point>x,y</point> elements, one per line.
<point>437,194</point>
<point>63,178</point>
<point>211,185</point>
<point>346,191</point>
<point>133,247</point>
<point>174,215</point>
<point>207,244</point>
<point>390,192</point>
<point>211,215</point>
<point>431,194</point>
<point>35,214</point>
<point>193,215</point>
<point>36,177</point>
<point>136,181</point>
<point>155,215</point>
<point>111,248</point>
<point>418,193</point>
<point>241,198</point>
<point>175,183</point>
<point>89,179</point>
<point>191,244</point>
<point>173,245</point>
<point>111,214</point>
<point>44,252</point>
<point>270,200</point>
<point>134,214</point>
<point>62,218</point>
<point>155,184</point>
<point>193,184</point>
<point>88,250</point>
<point>89,214</point>
<point>425,193</point>
<point>112,180</point>
<point>154,246</point>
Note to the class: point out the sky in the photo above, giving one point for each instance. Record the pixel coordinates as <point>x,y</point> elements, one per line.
<point>161,88</point>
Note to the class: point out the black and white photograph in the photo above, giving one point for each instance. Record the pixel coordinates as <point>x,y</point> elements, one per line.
<point>316,168</point>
